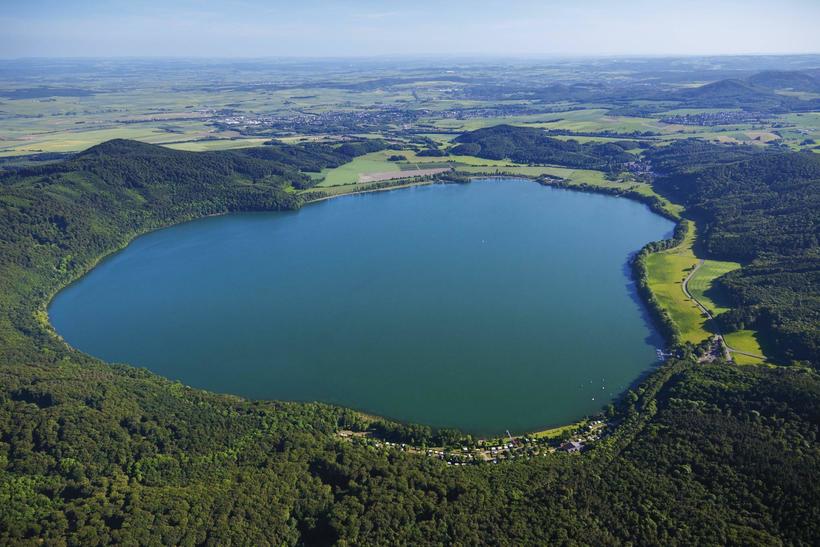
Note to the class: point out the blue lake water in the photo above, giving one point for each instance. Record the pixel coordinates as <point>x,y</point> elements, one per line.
<point>494,305</point>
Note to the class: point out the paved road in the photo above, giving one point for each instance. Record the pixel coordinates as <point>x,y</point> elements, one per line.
<point>708,314</point>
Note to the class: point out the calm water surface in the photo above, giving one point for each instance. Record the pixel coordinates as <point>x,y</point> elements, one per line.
<point>488,306</point>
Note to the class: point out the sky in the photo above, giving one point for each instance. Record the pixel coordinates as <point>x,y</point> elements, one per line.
<point>365,28</point>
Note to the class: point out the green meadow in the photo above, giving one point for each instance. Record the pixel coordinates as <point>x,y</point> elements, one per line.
<point>666,271</point>
<point>375,162</point>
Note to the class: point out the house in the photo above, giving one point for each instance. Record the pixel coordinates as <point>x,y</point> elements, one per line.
<point>571,446</point>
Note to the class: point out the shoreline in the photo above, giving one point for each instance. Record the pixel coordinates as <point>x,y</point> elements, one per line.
<point>41,313</point>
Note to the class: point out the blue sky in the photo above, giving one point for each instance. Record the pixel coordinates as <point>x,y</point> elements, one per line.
<point>312,28</point>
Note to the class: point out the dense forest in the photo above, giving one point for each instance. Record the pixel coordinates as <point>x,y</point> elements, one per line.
<point>763,210</point>
<point>532,145</point>
<point>92,453</point>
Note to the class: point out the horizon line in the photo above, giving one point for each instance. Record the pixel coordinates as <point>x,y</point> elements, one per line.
<point>419,56</point>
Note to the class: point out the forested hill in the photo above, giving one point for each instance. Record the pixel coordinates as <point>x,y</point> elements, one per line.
<point>137,164</point>
<point>762,209</point>
<point>689,155</point>
<point>98,454</point>
<point>56,219</point>
<point>742,94</point>
<point>763,205</point>
<point>785,79</point>
<point>532,145</point>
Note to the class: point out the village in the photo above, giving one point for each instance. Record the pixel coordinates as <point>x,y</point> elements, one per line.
<point>711,119</point>
<point>499,450</point>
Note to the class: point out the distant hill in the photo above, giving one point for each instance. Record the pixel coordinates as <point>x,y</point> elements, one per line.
<point>532,145</point>
<point>723,89</point>
<point>138,164</point>
<point>785,79</point>
<point>733,93</point>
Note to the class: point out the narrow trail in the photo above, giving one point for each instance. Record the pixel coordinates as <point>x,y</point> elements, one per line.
<point>708,314</point>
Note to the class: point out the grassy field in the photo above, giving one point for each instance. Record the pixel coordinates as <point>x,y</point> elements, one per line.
<point>744,340</point>
<point>597,119</point>
<point>589,119</point>
<point>701,284</point>
<point>703,288</point>
<point>375,162</point>
<point>800,128</point>
<point>557,431</point>
<point>537,120</point>
<point>666,271</point>
<point>217,144</point>
<point>72,141</point>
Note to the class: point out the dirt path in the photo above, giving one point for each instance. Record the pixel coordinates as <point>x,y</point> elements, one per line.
<point>708,314</point>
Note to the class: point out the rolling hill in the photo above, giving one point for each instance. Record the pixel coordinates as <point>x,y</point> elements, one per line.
<point>785,79</point>
<point>532,145</point>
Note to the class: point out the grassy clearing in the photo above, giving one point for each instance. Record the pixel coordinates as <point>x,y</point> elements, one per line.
<point>217,144</point>
<point>473,160</point>
<point>557,431</point>
<point>666,271</point>
<point>744,340</point>
<point>702,288</point>
<point>375,162</point>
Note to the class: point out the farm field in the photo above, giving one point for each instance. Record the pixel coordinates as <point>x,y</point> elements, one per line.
<point>581,119</point>
<point>349,173</point>
<point>597,119</point>
<point>73,141</point>
<point>378,162</point>
<point>456,125</point>
<point>666,271</point>
<point>216,144</point>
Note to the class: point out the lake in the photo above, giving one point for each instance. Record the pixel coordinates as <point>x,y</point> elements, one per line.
<point>498,304</point>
